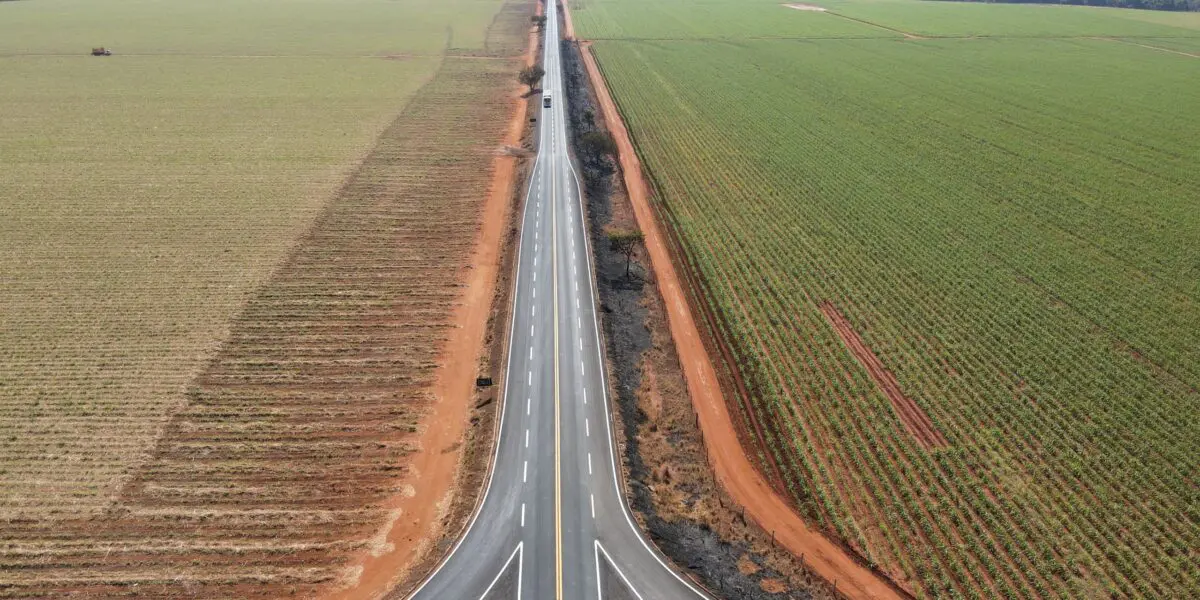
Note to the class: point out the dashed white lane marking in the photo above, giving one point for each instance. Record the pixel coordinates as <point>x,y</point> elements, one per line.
<point>523,514</point>
<point>531,353</point>
<point>526,438</point>
<point>576,283</point>
<point>529,404</point>
<point>535,293</point>
<point>581,344</point>
<point>535,261</point>
<point>534,310</point>
<point>587,430</point>
<point>578,323</point>
<point>593,497</point>
<point>582,371</point>
<point>535,276</point>
<point>525,473</point>
<point>589,463</point>
<point>531,331</point>
<point>585,396</point>
<point>576,301</point>
<point>530,378</point>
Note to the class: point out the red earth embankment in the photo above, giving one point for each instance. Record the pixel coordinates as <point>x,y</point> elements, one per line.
<point>732,469</point>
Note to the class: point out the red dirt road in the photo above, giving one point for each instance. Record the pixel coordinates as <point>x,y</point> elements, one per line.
<point>732,469</point>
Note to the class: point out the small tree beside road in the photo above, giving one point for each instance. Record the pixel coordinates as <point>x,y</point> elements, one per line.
<point>625,242</point>
<point>539,21</point>
<point>531,75</point>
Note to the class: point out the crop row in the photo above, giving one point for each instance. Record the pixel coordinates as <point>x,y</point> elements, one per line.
<point>1012,243</point>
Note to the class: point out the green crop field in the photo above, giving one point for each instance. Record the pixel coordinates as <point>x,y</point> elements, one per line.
<point>196,219</point>
<point>960,276</point>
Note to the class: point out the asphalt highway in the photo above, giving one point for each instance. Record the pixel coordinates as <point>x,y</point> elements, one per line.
<point>553,523</point>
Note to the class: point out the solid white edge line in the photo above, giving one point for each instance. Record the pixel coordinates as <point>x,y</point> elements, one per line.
<point>607,413</point>
<point>596,551</point>
<point>503,398</point>
<point>613,564</point>
<point>517,550</point>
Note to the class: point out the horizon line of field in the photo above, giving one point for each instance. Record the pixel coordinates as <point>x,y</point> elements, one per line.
<point>396,56</point>
<point>910,37</point>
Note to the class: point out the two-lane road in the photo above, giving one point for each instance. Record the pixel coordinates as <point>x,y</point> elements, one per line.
<point>553,523</point>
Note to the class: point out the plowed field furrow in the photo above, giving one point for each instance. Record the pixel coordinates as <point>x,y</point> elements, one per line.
<point>295,436</point>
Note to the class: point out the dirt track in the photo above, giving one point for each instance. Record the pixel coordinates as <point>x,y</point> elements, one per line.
<point>910,413</point>
<point>732,469</point>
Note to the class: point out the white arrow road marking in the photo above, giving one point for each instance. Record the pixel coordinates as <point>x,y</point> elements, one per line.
<point>612,564</point>
<point>516,551</point>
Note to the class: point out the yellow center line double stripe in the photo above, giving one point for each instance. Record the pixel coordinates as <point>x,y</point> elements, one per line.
<point>558,575</point>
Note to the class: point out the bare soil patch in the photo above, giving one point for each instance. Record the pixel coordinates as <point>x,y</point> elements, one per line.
<point>913,417</point>
<point>808,7</point>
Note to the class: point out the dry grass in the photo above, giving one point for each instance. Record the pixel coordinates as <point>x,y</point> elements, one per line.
<point>213,359</point>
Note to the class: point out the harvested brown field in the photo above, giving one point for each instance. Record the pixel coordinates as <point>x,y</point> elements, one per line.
<point>281,465</point>
<point>278,464</point>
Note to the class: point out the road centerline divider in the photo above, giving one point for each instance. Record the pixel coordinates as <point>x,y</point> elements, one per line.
<point>558,567</point>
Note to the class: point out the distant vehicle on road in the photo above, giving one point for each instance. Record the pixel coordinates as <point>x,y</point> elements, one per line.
<point>101,52</point>
<point>546,100</point>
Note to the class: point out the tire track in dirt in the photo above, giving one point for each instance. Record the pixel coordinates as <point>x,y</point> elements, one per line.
<point>733,469</point>
<point>913,417</point>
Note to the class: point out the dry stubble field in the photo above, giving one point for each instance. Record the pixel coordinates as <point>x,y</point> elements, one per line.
<point>228,256</point>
